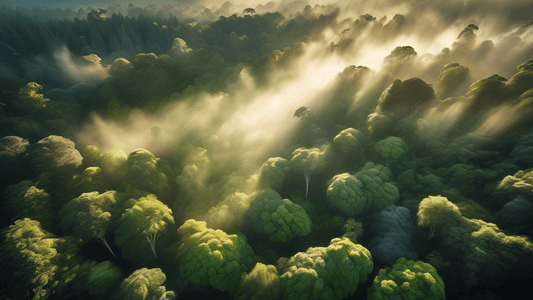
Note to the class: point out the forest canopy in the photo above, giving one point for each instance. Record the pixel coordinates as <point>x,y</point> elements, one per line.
<point>266,150</point>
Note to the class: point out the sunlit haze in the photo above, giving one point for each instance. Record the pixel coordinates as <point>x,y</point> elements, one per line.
<point>266,150</point>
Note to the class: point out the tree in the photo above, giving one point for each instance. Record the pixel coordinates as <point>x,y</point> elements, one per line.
<point>249,11</point>
<point>90,215</point>
<point>97,14</point>
<point>55,153</point>
<point>280,219</point>
<point>179,47</point>
<point>400,55</point>
<point>345,193</point>
<point>90,180</point>
<point>370,189</point>
<point>349,141</point>
<point>12,149</point>
<point>392,148</point>
<point>328,273</point>
<point>452,76</point>
<point>113,163</point>
<point>393,235</point>
<point>407,279</point>
<point>103,278</point>
<point>229,214</point>
<point>36,263</point>
<point>30,97</point>
<point>25,200</point>
<point>404,97</point>
<point>191,181</point>
<point>262,283</point>
<point>145,284</point>
<point>212,257</point>
<point>310,161</point>
<point>272,173</point>
<point>146,172</point>
<point>304,113</point>
<point>146,220</point>
<point>436,212</point>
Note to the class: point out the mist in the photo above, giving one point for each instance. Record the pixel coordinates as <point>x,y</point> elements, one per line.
<point>251,121</point>
<point>343,121</point>
<point>85,69</point>
<point>266,115</point>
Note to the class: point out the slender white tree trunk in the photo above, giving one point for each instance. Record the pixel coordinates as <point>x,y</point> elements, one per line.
<point>102,240</point>
<point>307,176</point>
<point>151,239</point>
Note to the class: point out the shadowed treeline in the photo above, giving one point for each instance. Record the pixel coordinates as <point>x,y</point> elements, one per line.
<point>352,150</point>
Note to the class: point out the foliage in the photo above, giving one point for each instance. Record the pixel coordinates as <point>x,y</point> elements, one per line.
<point>103,278</point>
<point>41,263</point>
<point>117,73</point>
<point>25,200</point>
<point>393,236</point>
<point>331,272</point>
<point>451,77</point>
<point>280,219</point>
<point>11,150</point>
<point>345,193</point>
<point>146,172</point>
<point>436,212</point>
<point>91,179</point>
<point>392,148</point>
<point>349,141</point>
<point>90,215</point>
<point>55,153</point>
<point>310,161</point>
<point>272,173</point>
<point>145,284</point>
<point>260,284</point>
<point>404,97</point>
<point>139,227</point>
<point>407,279</point>
<point>191,181</point>
<point>517,215</point>
<point>369,189</point>
<point>30,97</point>
<point>519,183</point>
<point>212,257</point>
<point>487,252</point>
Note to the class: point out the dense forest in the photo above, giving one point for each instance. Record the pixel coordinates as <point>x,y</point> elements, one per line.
<point>285,150</point>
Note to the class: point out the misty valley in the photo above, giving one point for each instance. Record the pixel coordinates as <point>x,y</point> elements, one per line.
<point>267,150</point>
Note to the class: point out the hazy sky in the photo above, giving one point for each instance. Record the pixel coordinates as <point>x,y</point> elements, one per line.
<point>74,4</point>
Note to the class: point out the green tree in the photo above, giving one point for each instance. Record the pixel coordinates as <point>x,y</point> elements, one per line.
<point>407,279</point>
<point>310,161</point>
<point>436,212</point>
<point>272,173</point>
<point>370,189</point>
<point>90,215</point>
<point>261,283</point>
<point>30,97</point>
<point>36,263</point>
<point>25,200</point>
<point>146,172</point>
<point>402,98</point>
<point>103,278</point>
<point>280,219</point>
<point>392,149</point>
<point>328,273</point>
<point>349,141</point>
<point>55,153</point>
<point>145,284</point>
<point>146,220</point>
<point>212,257</point>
